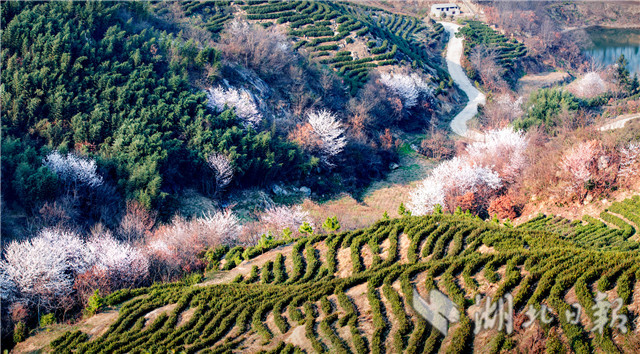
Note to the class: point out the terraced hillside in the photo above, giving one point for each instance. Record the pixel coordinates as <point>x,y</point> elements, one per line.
<point>350,38</point>
<point>351,292</point>
<point>508,50</point>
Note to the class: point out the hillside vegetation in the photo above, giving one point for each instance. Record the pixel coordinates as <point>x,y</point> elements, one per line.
<point>351,291</point>
<point>326,30</point>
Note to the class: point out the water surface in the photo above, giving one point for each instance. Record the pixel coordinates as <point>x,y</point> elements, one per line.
<point>610,43</point>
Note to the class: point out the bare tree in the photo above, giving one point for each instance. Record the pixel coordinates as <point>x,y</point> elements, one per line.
<point>485,62</point>
<point>135,223</point>
<point>501,111</point>
<point>265,50</point>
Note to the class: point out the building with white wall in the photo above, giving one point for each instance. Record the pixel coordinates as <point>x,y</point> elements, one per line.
<point>450,9</point>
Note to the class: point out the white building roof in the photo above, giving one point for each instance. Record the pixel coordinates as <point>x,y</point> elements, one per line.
<point>444,5</point>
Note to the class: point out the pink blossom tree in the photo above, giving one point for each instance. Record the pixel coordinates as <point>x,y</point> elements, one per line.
<point>277,218</point>
<point>175,248</point>
<point>578,166</point>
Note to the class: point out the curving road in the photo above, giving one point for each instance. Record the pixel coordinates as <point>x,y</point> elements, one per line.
<point>454,54</point>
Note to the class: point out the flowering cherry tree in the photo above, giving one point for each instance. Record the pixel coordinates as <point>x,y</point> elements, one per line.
<point>455,177</point>
<point>122,264</point>
<point>44,267</point>
<point>239,99</point>
<point>174,248</point>
<point>409,87</point>
<point>578,164</point>
<point>590,85</point>
<point>44,270</point>
<point>503,149</point>
<point>73,169</point>
<point>279,217</point>
<point>331,134</point>
<point>630,160</point>
<point>222,169</point>
<point>482,169</point>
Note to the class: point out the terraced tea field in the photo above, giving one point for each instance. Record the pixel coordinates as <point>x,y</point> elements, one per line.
<point>349,38</point>
<point>351,291</point>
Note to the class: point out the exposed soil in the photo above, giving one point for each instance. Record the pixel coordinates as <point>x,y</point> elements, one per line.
<point>244,268</point>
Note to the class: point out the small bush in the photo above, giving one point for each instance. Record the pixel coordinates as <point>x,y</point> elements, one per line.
<point>95,303</point>
<point>47,319</point>
<point>19,332</point>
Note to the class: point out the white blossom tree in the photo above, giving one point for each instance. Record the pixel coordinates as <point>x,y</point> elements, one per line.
<point>451,178</point>
<point>220,228</point>
<point>408,87</point>
<point>8,287</point>
<point>590,85</point>
<point>277,218</point>
<point>240,100</point>
<point>44,267</point>
<point>222,169</point>
<point>73,170</point>
<point>331,133</point>
<point>484,167</point>
<point>630,160</point>
<point>502,149</point>
<point>120,263</point>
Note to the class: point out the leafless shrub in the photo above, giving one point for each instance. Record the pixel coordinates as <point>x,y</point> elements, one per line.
<point>485,61</point>
<point>135,223</point>
<point>264,50</point>
<point>501,111</point>
<point>176,248</point>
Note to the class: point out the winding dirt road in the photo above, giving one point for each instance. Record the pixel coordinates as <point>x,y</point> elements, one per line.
<point>454,54</point>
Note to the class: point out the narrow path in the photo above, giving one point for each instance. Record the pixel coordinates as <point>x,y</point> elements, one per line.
<point>619,122</point>
<point>454,54</point>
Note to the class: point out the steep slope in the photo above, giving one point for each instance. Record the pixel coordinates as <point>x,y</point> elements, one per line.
<point>351,292</point>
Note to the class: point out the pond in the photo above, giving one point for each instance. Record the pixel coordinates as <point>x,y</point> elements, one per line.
<point>610,43</point>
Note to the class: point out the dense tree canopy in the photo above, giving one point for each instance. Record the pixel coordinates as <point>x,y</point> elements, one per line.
<point>99,79</point>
